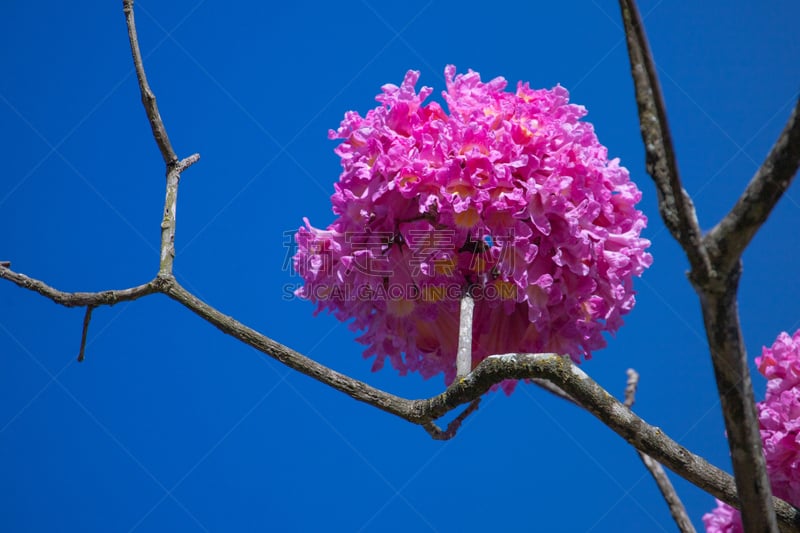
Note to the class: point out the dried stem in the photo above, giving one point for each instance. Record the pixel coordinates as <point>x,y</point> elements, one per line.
<point>676,508</point>
<point>85,333</point>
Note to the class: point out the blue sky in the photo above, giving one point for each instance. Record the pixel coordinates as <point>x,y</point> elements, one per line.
<point>171,426</point>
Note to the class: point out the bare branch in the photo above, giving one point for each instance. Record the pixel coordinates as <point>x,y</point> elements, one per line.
<point>169,220</point>
<point>80,299</point>
<point>452,428</point>
<point>148,98</point>
<point>674,203</point>
<point>716,286</point>
<point>85,333</point>
<point>735,388</point>
<point>5,264</point>
<point>174,166</point>
<point>727,241</point>
<point>676,508</point>
<point>551,367</point>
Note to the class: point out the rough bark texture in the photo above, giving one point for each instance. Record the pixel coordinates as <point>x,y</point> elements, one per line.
<point>715,264</point>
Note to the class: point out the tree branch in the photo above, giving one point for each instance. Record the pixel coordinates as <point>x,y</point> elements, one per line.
<point>676,508</point>
<point>735,388</point>
<point>169,220</point>
<point>148,98</point>
<point>716,287</point>
<point>728,240</point>
<point>493,370</point>
<point>87,318</point>
<point>674,203</point>
<point>79,299</point>
<point>174,167</point>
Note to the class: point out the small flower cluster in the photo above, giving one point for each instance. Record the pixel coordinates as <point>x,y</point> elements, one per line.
<point>508,192</point>
<point>779,421</point>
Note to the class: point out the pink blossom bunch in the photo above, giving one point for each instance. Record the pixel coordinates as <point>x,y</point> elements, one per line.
<point>509,195</point>
<point>779,421</point>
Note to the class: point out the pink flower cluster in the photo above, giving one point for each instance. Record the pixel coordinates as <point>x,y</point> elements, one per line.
<point>508,195</point>
<point>779,421</point>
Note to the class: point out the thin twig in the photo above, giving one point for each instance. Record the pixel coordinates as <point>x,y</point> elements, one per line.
<point>80,299</point>
<point>85,333</point>
<point>676,508</point>
<point>727,241</point>
<point>174,166</point>
<point>674,202</point>
<point>452,428</point>
<point>148,98</point>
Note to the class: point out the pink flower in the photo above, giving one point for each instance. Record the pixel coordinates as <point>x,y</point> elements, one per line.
<point>509,196</point>
<point>779,421</point>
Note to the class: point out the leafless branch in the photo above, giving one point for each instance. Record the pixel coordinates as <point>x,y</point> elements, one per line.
<point>174,166</point>
<point>674,203</point>
<point>87,318</point>
<point>168,220</point>
<point>148,98</point>
<point>79,299</point>
<point>735,388</point>
<point>551,367</point>
<point>676,508</point>
<point>717,287</point>
<point>730,237</point>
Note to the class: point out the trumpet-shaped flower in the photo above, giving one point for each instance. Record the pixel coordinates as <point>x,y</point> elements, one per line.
<point>508,195</point>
